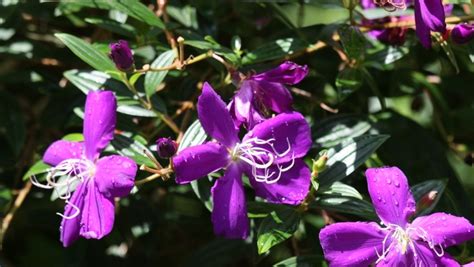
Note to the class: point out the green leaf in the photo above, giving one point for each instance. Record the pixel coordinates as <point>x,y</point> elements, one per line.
<point>353,42</point>
<point>132,8</point>
<point>5,198</point>
<point>302,261</point>
<point>12,122</point>
<point>277,228</point>
<point>274,50</point>
<point>195,135</point>
<point>341,189</point>
<point>154,78</point>
<point>305,15</point>
<point>420,192</point>
<point>348,81</point>
<point>38,168</point>
<point>334,130</point>
<point>349,205</point>
<point>348,156</point>
<point>114,26</point>
<point>262,209</point>
<point>186,15</point>
<point>129,145</point>
<point>95,80</point>
<point>86,52</point>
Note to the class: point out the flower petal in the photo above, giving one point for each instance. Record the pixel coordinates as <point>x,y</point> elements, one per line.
<point>98,214</point>
<point>62,150</point>
<point>288,73</point>
<point>229,215</point>
<point>429,16</point>
<point>70,227</point>
<point>115,175</point>
<point>242,106</point>
<point>215,118</point>
<point>291,188</point>
<point>445,229</point>
<point>288,130</point>
<point>351,243</point>
<point>275,96</point>
<point>425,256</point>
<point>391,196</point>
<point>99,122</point>
<point>195,162</point>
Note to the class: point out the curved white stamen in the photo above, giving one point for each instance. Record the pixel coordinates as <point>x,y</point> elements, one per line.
<point>76,212</point>
<point>261,155</point>
<point>404,238</point>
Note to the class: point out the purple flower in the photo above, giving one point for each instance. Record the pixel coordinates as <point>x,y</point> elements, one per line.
<point>122,55</point>
<point>390,5</point>
<point>166,147</point>
<point>397,242</point>
<point>462,33</point>
<point>429,16</point>
<point>261,93</point>
<point>89,211</point>
<point>393,36</point>
<point>270,155</point>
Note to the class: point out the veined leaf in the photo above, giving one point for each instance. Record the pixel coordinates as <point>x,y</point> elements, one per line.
<point>129,146</point>
<point>335,130</point>
<point>154,78</point>
<point>274,50</point>
<point>86,52</point>
<point>277,228</point>
<point>347,156</point>
<point>302,261</point>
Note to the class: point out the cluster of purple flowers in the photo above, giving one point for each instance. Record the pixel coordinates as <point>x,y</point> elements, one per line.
<point>270,153</point>
<point>429,17</point>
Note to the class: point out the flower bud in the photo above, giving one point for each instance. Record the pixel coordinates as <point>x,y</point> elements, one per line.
<point>462,33</point>
<point>166,147</point>
<point>319,165</point>
<point>121,54</point>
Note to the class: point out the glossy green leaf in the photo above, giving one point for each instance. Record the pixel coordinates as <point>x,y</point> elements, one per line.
<point>38,168</point>
<point>277,228</point>
<point>87,52</point>
<point>353,42</point>
<point>349,205</point>
<point>154,78</point>
<point>302,261</point>
<point>274,50</point>
<point>349,155</point>
<point>334,130</point>
<point>129,146</point>
<point>427,194</point>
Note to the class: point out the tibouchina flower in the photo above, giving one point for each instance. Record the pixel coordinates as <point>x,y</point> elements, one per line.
<point>89,210</point>
<point>397,242</point>
<point>270,154</point>
<point>390,5</point>
<point>429,16</point>
<point>261,93</point>
<point>462,33</point>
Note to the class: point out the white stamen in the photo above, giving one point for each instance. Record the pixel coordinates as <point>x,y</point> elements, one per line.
<point>403,238</point>
<point>76,212</point>
<point>261,159</point>
<point>64,175</point>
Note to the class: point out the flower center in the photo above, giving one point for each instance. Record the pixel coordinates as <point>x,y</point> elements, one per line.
<point>65,177</point>
<point>404,238</point>
<point>261,155</point>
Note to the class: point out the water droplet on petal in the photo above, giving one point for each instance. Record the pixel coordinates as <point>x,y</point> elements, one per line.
<point>389,181</point>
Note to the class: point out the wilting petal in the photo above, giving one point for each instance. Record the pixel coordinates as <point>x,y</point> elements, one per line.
<point>215,118</point>
<point>115,175</point>
<point>390,194</point>
<point>287,73</point>
<point>275,96</point>
<point>429,16</point>
<point>195,162</point>
<point>62,150</point>
<point>229,214</point>
<point>352,243</point>
<point>291,188</point>
<point>70,227</point>
<point>445,229</point>
<point>288,131</point>
<point>462,33</point>
<point>99,121</point>
<point>425,256</point>
<point>98,214</point>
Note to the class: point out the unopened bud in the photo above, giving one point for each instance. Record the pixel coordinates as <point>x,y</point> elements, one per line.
<point>121,55</point>
<point>319,165</point>
<point>166,147</point>
<point>427,200</point>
